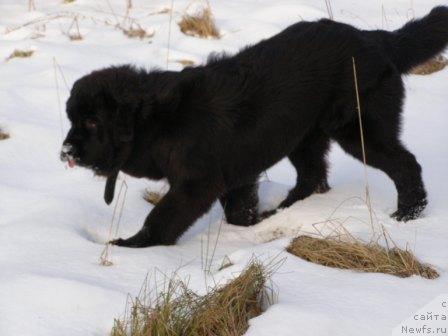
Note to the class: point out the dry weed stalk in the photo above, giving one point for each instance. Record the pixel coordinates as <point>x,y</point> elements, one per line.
<point>76,35</point>
<point>364,257</point>
<point>57,68</point>
<point>200,24</point>
<point>177,311</point>
<point>329,9</point>
<point>31,5</point>
<point>384,20</point>
<point>436,64</point>
<point>363,146</point>
<point>41,20</point>
<point>114,223</point>
<point>20,54</point>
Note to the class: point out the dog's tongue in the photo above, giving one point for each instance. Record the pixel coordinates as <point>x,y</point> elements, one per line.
<point>71,163</point>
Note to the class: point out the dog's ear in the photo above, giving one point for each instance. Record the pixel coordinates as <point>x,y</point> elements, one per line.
<point>109,190</point>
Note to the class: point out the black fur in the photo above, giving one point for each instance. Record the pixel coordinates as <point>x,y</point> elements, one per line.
<point>211,130</point>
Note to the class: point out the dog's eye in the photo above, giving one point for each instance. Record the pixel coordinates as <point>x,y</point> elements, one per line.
<point>91,124</point>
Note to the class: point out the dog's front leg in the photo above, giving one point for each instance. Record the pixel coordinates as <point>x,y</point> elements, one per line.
<point>173,215</point>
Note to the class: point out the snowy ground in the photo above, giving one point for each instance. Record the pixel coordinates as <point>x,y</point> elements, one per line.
<point>53,221</point>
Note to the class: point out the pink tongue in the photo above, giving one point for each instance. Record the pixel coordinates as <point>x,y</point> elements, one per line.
<point>71,163</point>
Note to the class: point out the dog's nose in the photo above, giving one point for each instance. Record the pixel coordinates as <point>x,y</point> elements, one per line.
<point>67,152</point>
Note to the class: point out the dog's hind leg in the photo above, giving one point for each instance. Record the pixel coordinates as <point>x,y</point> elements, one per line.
<point>310,162</point>
<point>390,156</point>
<point>241,205</point>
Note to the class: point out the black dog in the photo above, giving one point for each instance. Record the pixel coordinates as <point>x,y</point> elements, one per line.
<point>211,130</point>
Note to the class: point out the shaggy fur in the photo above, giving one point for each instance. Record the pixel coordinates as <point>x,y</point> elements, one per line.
<point>211,130</point>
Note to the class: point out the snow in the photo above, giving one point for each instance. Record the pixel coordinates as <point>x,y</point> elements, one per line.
<point>53,221</point>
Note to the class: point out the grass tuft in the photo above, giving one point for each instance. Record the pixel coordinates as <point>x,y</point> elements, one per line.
<point>3,135</point>
<point>224,311</point>
<point>436,64</point>
<point>356,255</point>
<point>20,54</point>
<point>200,24</point>
<point>152,197</point>
<point>184,62</point>
<point>73,32</point>
<point>136,31</point>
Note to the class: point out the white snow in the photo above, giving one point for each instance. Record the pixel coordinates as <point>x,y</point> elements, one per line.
<point>53,221</point>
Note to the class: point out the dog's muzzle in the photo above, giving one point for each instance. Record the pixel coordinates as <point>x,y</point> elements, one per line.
<point>67,155</point>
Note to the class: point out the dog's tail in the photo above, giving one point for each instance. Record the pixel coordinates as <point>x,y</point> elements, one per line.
<point>418,41</point>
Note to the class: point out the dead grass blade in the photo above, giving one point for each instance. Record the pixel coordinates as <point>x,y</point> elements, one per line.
<point>200,24</point>
<point>329,9</point>
<point>354,254</point>
<point>224,311</point>
<point>20,54</point>
<point>436,64</point>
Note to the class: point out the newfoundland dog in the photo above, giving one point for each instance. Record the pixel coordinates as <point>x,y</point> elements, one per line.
<point>211,130</point>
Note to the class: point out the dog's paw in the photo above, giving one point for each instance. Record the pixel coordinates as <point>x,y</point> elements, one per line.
<point>322,188</point>
<point>140,239</point>
<point>406,214</point>
<point>267,214</point>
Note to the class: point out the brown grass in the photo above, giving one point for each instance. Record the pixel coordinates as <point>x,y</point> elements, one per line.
<point>184,62</point>
<point>73,32</point>
<point>136,31</point>
<point>356,255</point>
<point>224,311</point>
<point>68,1</point>
<point>3,135</point>
<point>20,54</point>
<point>436,64</point>
<point>152,197</point>
<point>200,24</point>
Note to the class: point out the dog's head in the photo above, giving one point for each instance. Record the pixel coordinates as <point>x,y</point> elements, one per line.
<point>102,109</point>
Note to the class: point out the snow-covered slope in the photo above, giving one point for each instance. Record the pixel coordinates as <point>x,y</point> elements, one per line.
<point>53,221</point>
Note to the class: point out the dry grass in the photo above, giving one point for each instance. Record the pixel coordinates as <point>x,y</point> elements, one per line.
<point>152,197</point>
<point>20,54</point>
<point>224,311</point>
<point>200,24</point>
<point>68,1</point>
<point>184,62</point>
<point>356,255</point>
<point>3,135</point>
<point>436,64</point>
<point>226,262</point>
<point>136,31</point>
<point>73,31</point>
